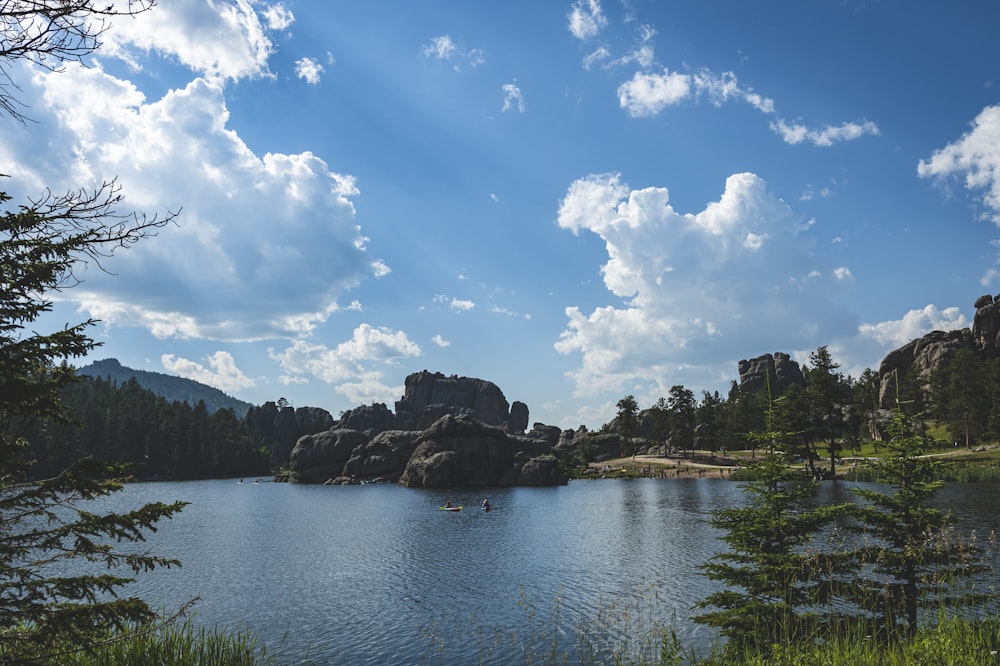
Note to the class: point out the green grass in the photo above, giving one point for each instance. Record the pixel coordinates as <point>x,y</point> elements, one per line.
<point>170,644</point>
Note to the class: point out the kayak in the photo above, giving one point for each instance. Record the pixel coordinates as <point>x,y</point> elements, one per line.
<point>450,508</point>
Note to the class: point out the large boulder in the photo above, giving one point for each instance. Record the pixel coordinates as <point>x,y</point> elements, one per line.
<point>368,418</point>
<point>428,396</point>
<point>518,417</point>
<point>542,471</point>
<point>322,455</point>
<point>384,457</point>
<point>459,451</point>
<point>986,325</point>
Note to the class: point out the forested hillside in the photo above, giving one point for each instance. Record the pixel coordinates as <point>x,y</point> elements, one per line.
<point>167,439</point>
<point>170,387</point>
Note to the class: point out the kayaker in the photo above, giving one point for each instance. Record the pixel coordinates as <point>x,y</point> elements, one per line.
<point>486,505</point>
<point>447,504</point>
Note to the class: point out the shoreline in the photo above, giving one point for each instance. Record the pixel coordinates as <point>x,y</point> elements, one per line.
<point>666,467</point>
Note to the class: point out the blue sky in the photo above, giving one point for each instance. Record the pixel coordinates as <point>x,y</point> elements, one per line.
<point>574,200</point>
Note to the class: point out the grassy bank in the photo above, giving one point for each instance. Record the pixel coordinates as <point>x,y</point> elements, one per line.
<point>163,644</point>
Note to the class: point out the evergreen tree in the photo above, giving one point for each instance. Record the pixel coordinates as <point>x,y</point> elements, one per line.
<point>627,421</point>
<point>683,417</point>
<point>43,523</point>
<point>962,393</point>
<point>910,559</point>
<point>774,587</point>
<point>828,393</point>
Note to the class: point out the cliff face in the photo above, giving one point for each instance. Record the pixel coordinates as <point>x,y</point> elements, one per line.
<point>923,355</point>
<point>784,372</point>
<point>428,396</point>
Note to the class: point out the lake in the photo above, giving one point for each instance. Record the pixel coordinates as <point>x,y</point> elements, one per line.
<point>377,574</point>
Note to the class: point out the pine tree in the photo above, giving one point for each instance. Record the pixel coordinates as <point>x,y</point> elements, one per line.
<point>911,558</point>
<point>775,587</point>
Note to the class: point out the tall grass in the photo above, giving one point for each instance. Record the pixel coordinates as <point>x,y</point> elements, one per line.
<point>169,644</point>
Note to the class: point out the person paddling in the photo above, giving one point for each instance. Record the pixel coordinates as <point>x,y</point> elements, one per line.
<point>486,505</point>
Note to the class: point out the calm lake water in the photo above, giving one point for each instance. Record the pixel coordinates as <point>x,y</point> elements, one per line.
<point>377,574</point>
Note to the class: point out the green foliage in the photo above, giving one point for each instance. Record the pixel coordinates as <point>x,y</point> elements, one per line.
<point>772,587</point>
<point>173,389</point>
<point>57,554</point>
<point>627,421</point>
<point>910,559</point>
<point>166,644</point>
<point>126,423</point>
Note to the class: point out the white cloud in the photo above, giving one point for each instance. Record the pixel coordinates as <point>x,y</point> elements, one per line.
<point>694,288</point>
<point>309,70</point>
<point>462,305</point>
<point>248,227</point>
<point>512,97</point>
<point>220,40</point>
<point>586,19</point>
<point>278,17</point>
<point>646,95</point>
<point>440,48</point>
<point>914,324</point>
<point>222,372</point>
<point>440,341</point>
<point>348,365</point>
<point>871,343</point>
<point>826,136</point>
<point>976,156</point>
<point>445,48</point>
<point>380,269</point>
<point>843,274</point>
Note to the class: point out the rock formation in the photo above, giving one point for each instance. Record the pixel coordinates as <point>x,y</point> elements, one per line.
<point>322,456</point>
<point>782,370</point>
<point>447,431</point>
<point>459,450</point>
<point>921,356</point>
<point>428,396</point>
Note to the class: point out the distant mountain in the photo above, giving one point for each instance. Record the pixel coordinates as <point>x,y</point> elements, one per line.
<point>170,387</point>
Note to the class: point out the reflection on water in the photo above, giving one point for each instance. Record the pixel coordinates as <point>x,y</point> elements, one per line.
<point>377,574</point>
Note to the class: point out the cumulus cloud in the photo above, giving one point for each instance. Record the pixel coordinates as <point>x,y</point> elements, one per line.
<point>647,94</point>
<point>348,366</point>
<point>223,41</point>
<point>739,275</point>
<point>440,341</point>
<point>873,341</point>
<point>975,157</point>
<point>309,70</point>
<point>278,17</point>
<point>249,223</point>
<point>914,324</point>
<point>586,19</point>
<point>221,372</point>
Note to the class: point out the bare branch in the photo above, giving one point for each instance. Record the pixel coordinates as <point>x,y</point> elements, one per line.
<point>52,32</point>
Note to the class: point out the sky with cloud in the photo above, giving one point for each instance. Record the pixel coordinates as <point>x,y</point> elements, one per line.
<point>575,200</point>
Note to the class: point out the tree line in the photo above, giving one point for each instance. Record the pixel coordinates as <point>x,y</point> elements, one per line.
<point>825,418</point>
<point>161,439</point>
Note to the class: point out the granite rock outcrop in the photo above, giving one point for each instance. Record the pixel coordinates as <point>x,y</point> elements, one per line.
<point>918,358</point>
<point>782,370</point>
<point>446,432</point>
